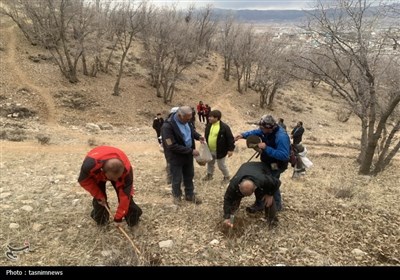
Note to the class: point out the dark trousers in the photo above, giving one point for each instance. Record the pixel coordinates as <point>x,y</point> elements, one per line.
<point>277,194</point>
<point>159,136</point>
<point>101,215</point>
<point>201,117</point>
<point>183,171</point>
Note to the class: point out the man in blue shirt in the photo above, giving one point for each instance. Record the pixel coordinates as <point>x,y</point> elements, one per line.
<point>178,135</point>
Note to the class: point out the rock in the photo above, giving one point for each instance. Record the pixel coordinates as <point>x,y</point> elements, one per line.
<point>358,252</point>
<point>37,227</point>
<point>166,244</point>
<point>214,242</point>
<point>14,225</point>
<point>27,208</point>
<point>4,195</point>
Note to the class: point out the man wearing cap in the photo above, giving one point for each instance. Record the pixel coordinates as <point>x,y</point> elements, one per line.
<point>275,151</point>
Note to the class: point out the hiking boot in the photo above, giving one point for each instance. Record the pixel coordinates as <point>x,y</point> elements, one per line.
<point>256,207</point>
<point>194,199</point>
<point>177,200</point>
<point>208,177</point>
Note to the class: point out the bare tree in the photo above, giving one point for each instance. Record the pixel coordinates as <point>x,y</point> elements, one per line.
<point>82,26</point>
<point>130,21</point>
<point>50,23</point>
<point>272,64</point>
<point>172,45</point>
<point>15,9</point>
<point>356,57</point>
<point>243,56</point>
<point>226,42</point>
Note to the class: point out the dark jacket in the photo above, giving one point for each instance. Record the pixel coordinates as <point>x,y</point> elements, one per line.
<point>225,139</point>
<point>260,174</point>
<point>278,146</point>
<point>297,134</point>
<point>157,124</point>
<point>174,145</point>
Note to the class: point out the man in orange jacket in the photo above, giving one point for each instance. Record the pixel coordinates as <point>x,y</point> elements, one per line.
<point>104,164</point>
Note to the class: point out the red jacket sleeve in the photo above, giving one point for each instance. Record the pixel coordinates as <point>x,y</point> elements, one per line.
<point>125,191</point>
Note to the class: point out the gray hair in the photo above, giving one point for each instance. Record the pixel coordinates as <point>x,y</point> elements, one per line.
<point>184,110</point>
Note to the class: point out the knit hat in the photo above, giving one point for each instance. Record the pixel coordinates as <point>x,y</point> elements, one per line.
<point>267,121</point>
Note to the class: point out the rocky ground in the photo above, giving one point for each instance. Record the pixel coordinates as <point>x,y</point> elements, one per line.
<point>331,216</point>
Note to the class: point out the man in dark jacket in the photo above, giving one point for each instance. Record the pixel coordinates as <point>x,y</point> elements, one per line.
<point>252,177</point>
<point>220,140</point>
<point>157,124</point>
<point>104,164</point>
<point>297,133</point>
<point>178,137</point>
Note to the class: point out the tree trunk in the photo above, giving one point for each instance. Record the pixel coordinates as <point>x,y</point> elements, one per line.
<point>364,140</point>
<point>272,95</point>
<point>84,65</point>
<point>385,158</point>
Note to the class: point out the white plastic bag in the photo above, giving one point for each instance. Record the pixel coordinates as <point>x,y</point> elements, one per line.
<point>205,154</point>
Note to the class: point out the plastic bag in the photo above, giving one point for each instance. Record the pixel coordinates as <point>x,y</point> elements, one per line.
<point>205,154</point>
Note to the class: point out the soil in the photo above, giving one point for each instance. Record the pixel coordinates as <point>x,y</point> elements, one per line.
<point>332,216</point>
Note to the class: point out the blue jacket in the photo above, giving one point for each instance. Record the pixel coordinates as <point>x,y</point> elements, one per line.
<point>278,146</point>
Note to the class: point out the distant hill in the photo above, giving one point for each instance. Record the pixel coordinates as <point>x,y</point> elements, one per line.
<point>263,15</point>
<point>279,16</point>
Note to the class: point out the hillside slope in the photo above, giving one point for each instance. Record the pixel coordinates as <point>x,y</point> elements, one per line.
<point>332,216</point>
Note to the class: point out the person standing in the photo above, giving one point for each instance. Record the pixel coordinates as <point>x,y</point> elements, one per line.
<point>251,177</point>
<point>178,137</point>
<point>281,123</point>
<point>275,153</point>
<point>207,110</point>
<point>297,133</point>
<point>102,164</point>
<point>200,111</point>
<point>221,143</point>
<point>157,124</point>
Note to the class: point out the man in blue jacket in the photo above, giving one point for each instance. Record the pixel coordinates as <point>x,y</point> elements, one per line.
<point>275,152</point>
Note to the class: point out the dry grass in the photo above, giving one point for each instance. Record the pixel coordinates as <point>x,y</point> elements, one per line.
<point>332,216</point>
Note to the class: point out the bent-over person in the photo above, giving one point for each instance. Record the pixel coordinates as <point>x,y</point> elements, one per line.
<point>251,177</point>
<point>102,164</point>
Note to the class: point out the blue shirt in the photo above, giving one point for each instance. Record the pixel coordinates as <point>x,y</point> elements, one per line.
<point>184,128</point>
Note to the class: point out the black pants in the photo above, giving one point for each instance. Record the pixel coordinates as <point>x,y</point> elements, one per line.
<point>101,215</point>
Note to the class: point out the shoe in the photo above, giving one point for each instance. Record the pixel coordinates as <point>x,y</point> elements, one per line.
<point>177,200</point>
<point>208,177</point>
<point>255,208</point>
<point>193,198</point>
